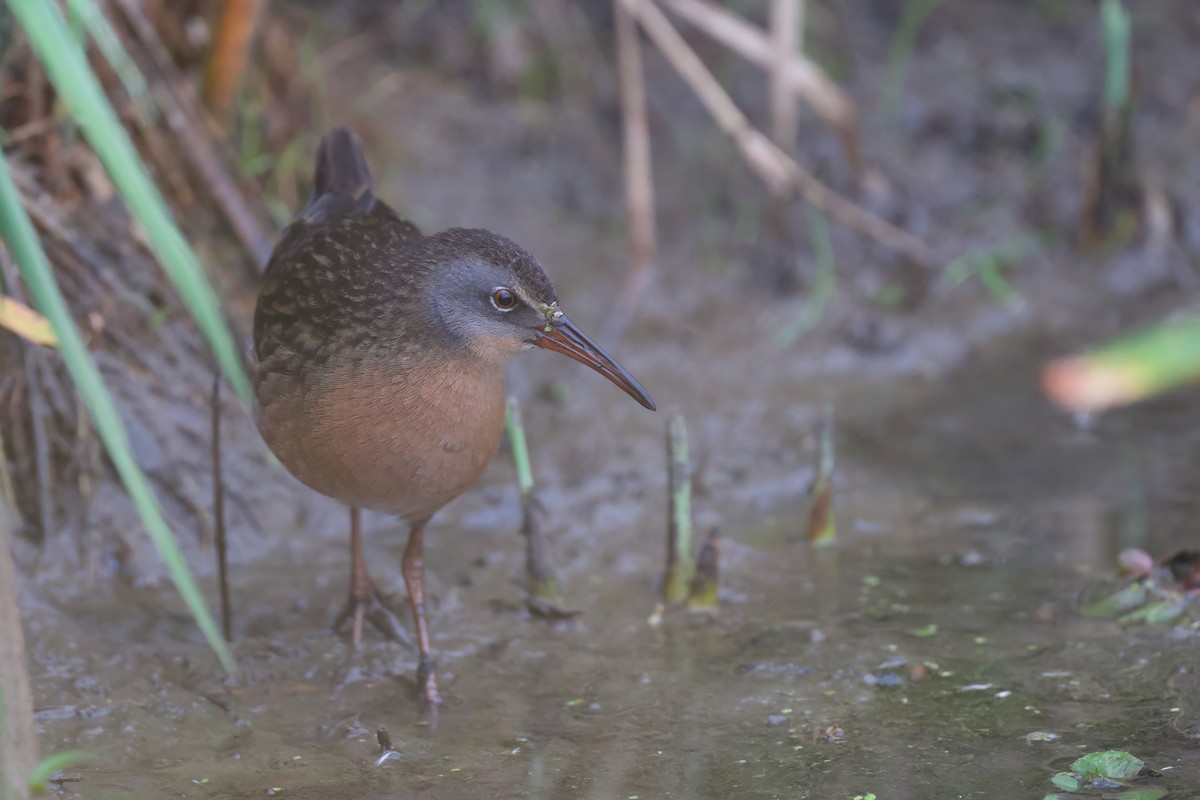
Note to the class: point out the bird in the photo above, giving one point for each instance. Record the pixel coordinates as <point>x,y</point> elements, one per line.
<point>381,356</point>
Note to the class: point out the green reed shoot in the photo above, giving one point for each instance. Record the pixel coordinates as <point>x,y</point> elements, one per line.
<point>680,568</point>
<point>542,584</point>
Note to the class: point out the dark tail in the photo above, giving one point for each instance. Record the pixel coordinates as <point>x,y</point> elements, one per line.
<point>342,181</point>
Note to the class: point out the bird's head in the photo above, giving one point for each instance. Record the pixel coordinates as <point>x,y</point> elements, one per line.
<point>493,297</point>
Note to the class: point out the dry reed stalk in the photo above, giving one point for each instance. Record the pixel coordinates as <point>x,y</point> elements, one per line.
<point>230,52</point>
<point>786,16</point>
<point>804,77</point>
<point>781,173</point>
<point>638,169</point>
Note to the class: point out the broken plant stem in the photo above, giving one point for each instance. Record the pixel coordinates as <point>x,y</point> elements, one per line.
<point>781,173</point>
<point>218,490</point>
<point>822,525</point>
<point>705,589</point>
<point>679,520</point>
<point>542,585</point>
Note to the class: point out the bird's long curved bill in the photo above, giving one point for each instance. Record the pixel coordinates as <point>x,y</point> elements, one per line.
<point>564,337</point>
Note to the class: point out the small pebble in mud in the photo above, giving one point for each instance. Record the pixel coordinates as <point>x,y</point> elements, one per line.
<point>777,719</point>
<point>883,680</point>
<point>972,558</point>
<point>1134,562</point>
<point>873,335</point>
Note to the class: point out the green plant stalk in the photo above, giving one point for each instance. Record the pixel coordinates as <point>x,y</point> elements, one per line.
<point>17,231</point>
<point>987,263</point>
<point>824,285</point>
<point>106,39</point>
<point>1115,30</point>
<point>680,568</point>
<point>68,69</point>
<point>822,524</point>
<point>1129,369</point>
<point>516,440</point>
<point>542,584</point>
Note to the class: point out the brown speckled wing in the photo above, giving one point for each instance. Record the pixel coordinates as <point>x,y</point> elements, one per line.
<point>331,284</point>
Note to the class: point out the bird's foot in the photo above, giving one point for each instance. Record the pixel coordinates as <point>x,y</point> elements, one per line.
<point>372,605</point>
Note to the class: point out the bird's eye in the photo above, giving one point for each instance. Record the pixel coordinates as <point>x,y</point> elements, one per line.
<point>503,299</point>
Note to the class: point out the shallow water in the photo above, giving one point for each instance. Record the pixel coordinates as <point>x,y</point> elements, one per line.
<point>913,660</point>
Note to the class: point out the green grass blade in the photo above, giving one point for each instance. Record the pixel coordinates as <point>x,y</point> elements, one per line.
<point>824,286</point>
<point>68,69</point>
<point>18,233</point>
<point>900,52</point>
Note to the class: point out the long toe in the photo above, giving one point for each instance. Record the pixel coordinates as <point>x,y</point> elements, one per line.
<point>378,609</point>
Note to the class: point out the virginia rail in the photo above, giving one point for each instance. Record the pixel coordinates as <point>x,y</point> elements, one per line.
<point>381,358</point>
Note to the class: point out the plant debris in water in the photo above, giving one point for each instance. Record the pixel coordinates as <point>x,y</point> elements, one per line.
<point>1103,771</point>
<point>1158,593</point>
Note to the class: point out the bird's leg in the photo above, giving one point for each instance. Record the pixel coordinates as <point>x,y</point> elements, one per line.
<point>413,568</point>
<point>366,601</point>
